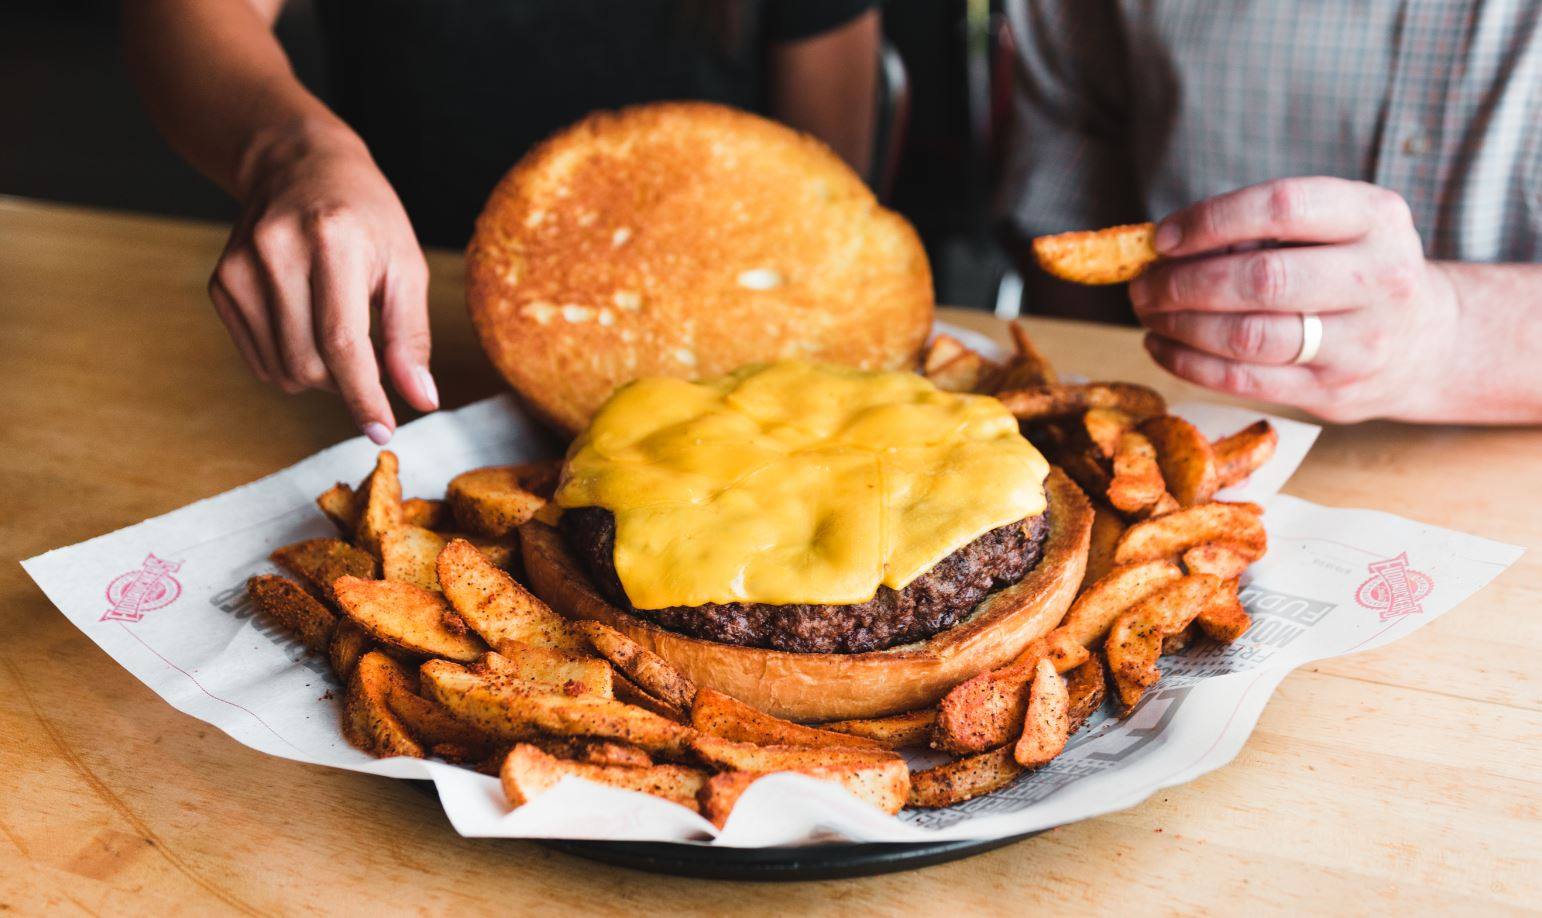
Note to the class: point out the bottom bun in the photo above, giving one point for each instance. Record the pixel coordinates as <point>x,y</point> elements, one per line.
<point>833,686</point>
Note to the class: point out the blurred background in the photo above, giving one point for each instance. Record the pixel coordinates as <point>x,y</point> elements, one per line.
<point>76,131</point>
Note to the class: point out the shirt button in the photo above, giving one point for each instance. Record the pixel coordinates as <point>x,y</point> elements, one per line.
<point>1416,145</point>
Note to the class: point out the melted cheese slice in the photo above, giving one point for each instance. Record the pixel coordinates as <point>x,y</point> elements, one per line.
<point>796,482</point>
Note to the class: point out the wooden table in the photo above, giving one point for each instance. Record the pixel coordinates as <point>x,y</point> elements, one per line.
<point>1407,778</point>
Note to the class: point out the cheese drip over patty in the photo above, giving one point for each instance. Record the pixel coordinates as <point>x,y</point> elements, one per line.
<point>796,482</point>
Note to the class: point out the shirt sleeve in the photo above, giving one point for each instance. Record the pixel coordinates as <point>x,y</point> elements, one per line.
<point>1068,165</point>
<point>792,20</point>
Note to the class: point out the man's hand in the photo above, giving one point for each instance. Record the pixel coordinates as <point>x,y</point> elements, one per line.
<point>1224,306</point>
<point>323,239</point>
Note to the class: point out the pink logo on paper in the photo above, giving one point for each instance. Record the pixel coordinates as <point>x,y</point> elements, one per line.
<point>1394,589</point>
<point>152,587</point>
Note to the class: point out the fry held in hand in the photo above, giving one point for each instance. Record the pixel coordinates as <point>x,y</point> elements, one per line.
<point>1115,255</point>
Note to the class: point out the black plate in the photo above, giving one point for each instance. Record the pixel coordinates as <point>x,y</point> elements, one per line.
<point>814,862</point>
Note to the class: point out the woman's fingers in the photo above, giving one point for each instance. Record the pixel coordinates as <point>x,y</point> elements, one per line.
<point>340,290</point>
<point>240,287</point>
<point>1306,209</point>
<point>285,259</point>
<point>404,327</point>
<point>1290,384</point>
<point>1329,278</point>
<point>236,326</point>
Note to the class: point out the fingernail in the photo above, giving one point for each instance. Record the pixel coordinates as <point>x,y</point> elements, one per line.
<point>377,432</point>
<point>1140,292</point>
<point>1168,235</point>
<point>426,385</point>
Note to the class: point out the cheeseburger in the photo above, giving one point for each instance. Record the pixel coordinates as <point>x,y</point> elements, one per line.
<point>760,489</point>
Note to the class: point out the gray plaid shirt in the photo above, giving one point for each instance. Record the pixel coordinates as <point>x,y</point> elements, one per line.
<point>1129,109</point>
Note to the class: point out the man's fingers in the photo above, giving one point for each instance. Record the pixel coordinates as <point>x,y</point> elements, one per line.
<point>1289,384</point>
<point>340,290</point>
<point>404,327</point>
<point>1251,337</point>
<point>1309,209</point>
<point>243,292</point>
<point>1327,278</point>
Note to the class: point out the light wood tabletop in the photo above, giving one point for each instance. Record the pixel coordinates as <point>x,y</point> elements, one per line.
<point>1404,779</point>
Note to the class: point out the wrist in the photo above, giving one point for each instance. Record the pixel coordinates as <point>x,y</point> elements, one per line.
<point>1439,336</point>
<point>276,148</point>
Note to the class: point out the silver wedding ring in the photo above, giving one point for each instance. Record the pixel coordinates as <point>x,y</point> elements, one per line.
<point>1311,338</point>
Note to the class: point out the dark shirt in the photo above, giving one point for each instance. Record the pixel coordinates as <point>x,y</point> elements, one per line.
<point>448,94</point>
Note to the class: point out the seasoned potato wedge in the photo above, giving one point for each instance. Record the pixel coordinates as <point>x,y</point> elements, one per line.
<point>1114,255</point>
<point>644,667</point>
<point>495,606</point>
<point>296,611</point>
<point>528,773</point>
<point>494,501</point>
<point>720,715</point>
<point>407,617</point>
<point>319,562</point>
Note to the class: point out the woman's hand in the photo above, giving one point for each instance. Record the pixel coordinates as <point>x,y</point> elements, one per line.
<point>323,239</point>
<point>1226,313</point>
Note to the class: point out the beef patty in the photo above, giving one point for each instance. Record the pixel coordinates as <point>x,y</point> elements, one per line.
<point>932,602</point>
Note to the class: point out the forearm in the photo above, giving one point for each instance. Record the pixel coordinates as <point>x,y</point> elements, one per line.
<point>218,85</point>
<point>1494,371</point>
<point>828,85</point>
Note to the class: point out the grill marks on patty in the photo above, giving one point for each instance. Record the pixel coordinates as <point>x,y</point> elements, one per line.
<point>933,602</point>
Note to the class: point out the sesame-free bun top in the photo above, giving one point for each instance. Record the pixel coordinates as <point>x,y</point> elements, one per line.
<point>686,239</point>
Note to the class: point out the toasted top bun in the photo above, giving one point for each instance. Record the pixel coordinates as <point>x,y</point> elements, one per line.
<point>686,239</point>
<point>832,686</point>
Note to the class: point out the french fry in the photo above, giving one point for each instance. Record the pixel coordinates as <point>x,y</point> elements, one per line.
<point>594,751</point>
<point>407,617</point>
<point>512,712</point>
<point>885,786</point>
<point>294,609</point>
<point>339,504</point>
<point>368,721</point>
<point>1028,366</point>
<point>430,724</point>
<point>649,670</point>
<point>720,715</point>
<point>1114,255</point>
<point>1105,426</point>
<point>630,692</point>
<point>1168,537</point>
<point>1241,454</point>
<point>319,562</point>
<point>495,606</point>
<point>964,779</point>
<point>1186,457</point>
<point>493,501</point>
<point>1100,604</point>
<point>968,372</point>
<point>1137,483</point>
<point>425,512</point>
<point>730,755</point>
<point>1135,641</point>
<point>1085,691</point>
<point>1047,725</point>
<point>987,710</point>
<point>550,670</point>
<point>1226,560</point>
<point>1224,620</point>
<point>1178,643</point>
<point>985,772</point>
<point>349,643</point>
<point>528,773</point>
<point>379,502</point>
<point>1107,528</point>
<point>1063,400</point>
<point>897,731</point>
<point>410,554</point>
<point>942,350</point>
